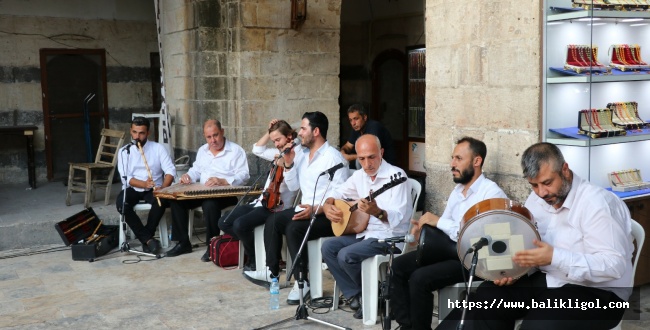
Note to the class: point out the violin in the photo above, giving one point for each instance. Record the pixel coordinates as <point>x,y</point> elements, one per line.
<point>271,196</point>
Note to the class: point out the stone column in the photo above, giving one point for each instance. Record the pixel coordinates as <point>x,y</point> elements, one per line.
<point>483,80</point>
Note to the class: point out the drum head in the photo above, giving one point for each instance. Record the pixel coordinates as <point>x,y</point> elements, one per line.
<point>510,232</point>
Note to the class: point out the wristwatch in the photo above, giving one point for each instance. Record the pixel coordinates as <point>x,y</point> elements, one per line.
<point>380,216</point>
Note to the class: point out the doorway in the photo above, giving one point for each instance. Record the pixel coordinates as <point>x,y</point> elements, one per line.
<point>72,116</point>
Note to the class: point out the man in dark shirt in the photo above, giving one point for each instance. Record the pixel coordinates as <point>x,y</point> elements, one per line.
<point>362,125</point>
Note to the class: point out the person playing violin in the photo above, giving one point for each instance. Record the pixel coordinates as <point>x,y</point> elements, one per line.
<point>276,197</point>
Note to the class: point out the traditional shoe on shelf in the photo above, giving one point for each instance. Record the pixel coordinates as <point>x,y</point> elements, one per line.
<point>179,249</point>
<point>206,256</point>
<point>294,295</point>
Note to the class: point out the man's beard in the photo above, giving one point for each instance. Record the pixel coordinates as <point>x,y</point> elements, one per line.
<point>561,196</point>
<point>465,177</point>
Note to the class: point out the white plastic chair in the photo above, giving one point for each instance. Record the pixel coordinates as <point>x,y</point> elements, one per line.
<point>162,226</point>
<point>638,233</point>
<point>372,268</point>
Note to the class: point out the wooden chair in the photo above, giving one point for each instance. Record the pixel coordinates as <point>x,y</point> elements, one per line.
<point>93,173</point>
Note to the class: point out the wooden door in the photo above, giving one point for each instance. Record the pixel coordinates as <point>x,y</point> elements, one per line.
<point>68,78</point>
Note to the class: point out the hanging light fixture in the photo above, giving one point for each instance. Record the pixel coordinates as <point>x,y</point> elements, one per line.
<point>298,13</point>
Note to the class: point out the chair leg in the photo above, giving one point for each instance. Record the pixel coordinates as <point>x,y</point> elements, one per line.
<point>240,264</point>
<point>370,290</point>
<point>260,251</point>
<point>315,268</point>
<point>107,194</point>
<point>70,180</point>
<point>335,297</point>
<point>89,189</point>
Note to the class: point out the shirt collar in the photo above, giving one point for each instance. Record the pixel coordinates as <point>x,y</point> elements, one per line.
<point>382,173</point>
<point>472,189</point>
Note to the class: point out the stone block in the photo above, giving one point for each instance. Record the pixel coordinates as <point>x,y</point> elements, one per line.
<point>209,64</point>
<point>212,39</point>
<point>301,87</point>
<point>273,14</point>
<point>329,41</point>
<point>260,88</point>
<point>129,95</point>
<point>329,87</point>
<point>327,63</point>
<point>251,63</point>
<point>249,14</point>
<point>272,64</point>
<point>212,88</point>
<point>207,13</point>
<point>253,39</point>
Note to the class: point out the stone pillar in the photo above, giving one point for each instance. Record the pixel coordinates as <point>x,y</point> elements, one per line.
<point>483,80</point>
<point>238,61</point>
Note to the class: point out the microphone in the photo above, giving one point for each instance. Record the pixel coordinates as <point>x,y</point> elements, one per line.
<point>332,169</point>
<point>293,144</point>
<point>408,238</point>
<point>128,147</point>
<point>485,240</point>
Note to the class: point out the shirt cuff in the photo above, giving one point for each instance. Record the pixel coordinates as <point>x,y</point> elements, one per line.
<point>560,260</point>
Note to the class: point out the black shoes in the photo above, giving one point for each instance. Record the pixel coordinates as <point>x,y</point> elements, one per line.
<point>250,265</point>
<point>153,246</point>
<point>359,313</point>
<point>355,302</point>
<point>206,256</point>
<point>180,248</point>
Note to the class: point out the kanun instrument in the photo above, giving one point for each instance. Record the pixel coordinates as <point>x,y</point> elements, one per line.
<point>353,220</point>
<point>200,191</point>
<point>511,229</point>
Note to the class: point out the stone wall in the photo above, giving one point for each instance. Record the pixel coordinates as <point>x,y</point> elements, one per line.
<point>128,44</point>
<point>483,80</point>
<point>238,61</point>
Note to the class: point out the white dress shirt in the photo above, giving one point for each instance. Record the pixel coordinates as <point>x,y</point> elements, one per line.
<point>591,235</point>
<point>457,204</point>
<point>230,164</point>
<point>304,174</point>
<point>131,164</point>
<point>287,196</point>
<point>396,201</point>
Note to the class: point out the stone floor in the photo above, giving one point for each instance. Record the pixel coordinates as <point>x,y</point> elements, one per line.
<point>41,287</point>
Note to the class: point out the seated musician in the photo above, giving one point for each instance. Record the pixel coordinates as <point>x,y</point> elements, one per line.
<point>302,170</point>
<point>584,255</point>
<point>139,181</point>
<point>242,221</point>
<point>219,162</point>
<point>413,284</point>
<point>389,214</point>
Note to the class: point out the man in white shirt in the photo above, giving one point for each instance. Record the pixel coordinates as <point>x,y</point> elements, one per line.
<point>413,284</point>
<point>584,256</point>
<point>388,216</point>
<point>241,222</point>
<point>302,171</point>
<point>219,162</point>
<point>139,182</point>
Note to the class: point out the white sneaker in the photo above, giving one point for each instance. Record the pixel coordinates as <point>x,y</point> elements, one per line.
<point>259,277</point>
<point>294,295</point>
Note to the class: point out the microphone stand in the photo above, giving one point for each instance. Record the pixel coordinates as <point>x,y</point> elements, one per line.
<point>301,311</point>
<point>385,289</point>
<point>472,271</point>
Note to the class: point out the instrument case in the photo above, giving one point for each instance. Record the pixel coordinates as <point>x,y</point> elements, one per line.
<point>79,230</point>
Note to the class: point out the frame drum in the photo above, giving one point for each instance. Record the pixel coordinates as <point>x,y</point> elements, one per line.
<point>511,229</point>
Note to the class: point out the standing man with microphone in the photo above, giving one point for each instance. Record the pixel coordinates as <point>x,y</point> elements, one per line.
<point>413,284</point>
<point>140,180</point>
<point>302,172</point>
<point>389,213</point>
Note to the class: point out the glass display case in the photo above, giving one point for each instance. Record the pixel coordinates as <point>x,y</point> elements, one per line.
<point>416,57</point>
<point>596,94</point>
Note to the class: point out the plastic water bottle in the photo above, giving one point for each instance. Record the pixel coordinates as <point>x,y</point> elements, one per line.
<point>274,302</point>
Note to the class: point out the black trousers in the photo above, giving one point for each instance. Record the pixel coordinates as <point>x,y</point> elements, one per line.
<point>529,288</point>
<point>412,286</point>
<point>241,223</point>
<point>211,213</point>
<point>142,232</point>
<point>279,224</point>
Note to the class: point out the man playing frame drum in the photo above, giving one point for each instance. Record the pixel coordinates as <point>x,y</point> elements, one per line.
<point>583,258</point>
<point>414,283</point>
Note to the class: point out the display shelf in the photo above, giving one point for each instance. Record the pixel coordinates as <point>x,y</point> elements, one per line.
<point>569,136</point>
<point>631,194</point>
<point>614,77</point>
<point>578,14</point>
